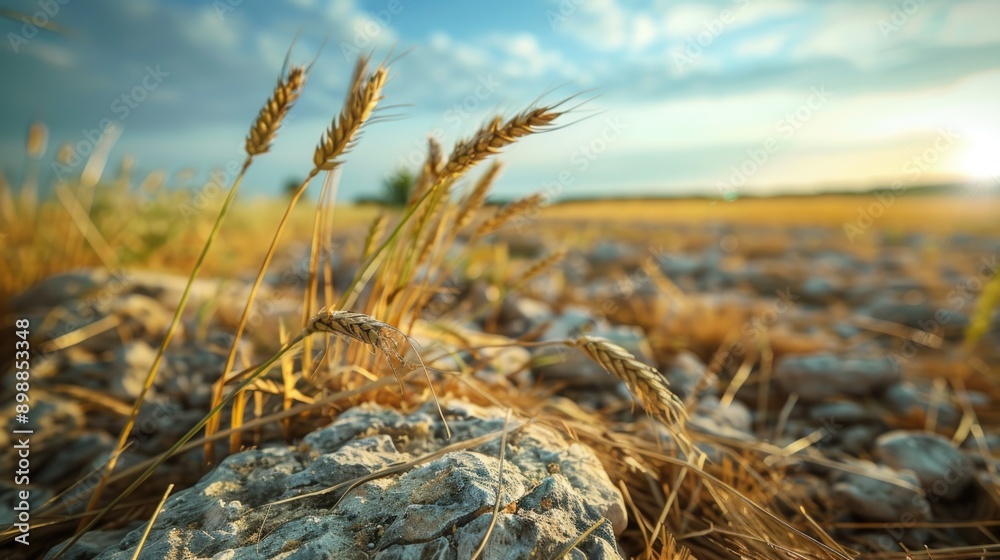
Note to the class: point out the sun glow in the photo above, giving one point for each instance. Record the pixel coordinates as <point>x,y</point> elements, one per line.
<point>980,158</point>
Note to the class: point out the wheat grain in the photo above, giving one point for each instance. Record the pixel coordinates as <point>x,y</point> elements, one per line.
<point>269,119</point>
<point>365,93</point>
<point>643,380</point>
<point>503,215</point>
<point>494,136</point>
<point>357,326</point>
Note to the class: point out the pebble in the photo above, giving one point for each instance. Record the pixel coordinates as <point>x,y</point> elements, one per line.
<point>818,377</point>
<point>943,471</point>
<point>879,493</point>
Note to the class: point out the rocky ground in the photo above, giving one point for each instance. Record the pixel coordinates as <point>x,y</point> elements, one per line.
<point>841,363</point>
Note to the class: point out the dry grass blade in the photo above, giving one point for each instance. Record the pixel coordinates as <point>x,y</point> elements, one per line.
<point>474,201</point>
<point>152,520</point>
<point>490,139</point>
<point>583,536</point>
<point>503,215</point>
<point>642,379</point>
<point>496,503</point>
<point>265,128</point>
<point>366,91</point>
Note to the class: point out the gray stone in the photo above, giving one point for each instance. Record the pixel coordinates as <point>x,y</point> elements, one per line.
<point>820,289</point>
<point>879,493</point>
<point>684,374</point>
<point>942,469</point>
<point>519,315</point>
<point>572,367</point>
<point>58,289</point>
<point>904,313</point>
<point>835,413</point>
<point>817,377</point>
<point>127,372</point>
<point>914,402</point>
<point>553,490</point>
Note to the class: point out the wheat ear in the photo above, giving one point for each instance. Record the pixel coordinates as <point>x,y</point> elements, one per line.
<point>265,128</point>
<point>540,266</point>
<point>497,134</point>
<point>643,380</point>
<point>430,172</point>
<point>509,211</point>
<point>366,91</point>
<point>376,335</point>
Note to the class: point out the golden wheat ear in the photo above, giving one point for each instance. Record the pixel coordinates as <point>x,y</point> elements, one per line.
<point>642,379</point>
<point>365,93</point>
<point>377,336</point>
<point>265,128</point>
<point>494,136</point>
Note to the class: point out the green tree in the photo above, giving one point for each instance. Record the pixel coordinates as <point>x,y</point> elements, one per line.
<point>397,187</point>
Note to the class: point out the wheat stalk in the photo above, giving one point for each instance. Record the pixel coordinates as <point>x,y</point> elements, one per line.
<point>375,234</point>
<point>477,196</point>
<point>507,212</point>
<point>430,172</point>
<point>265,128</point>
<point>642,379</point>
<point>497,134</point>
<point>366,91</point>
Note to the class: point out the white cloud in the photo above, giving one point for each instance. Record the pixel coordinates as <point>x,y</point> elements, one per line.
<point>605,25</point>
<point>762,46</point>
<point>971,23</point>
<point>55,55</point>
<point>849,32</point>
<point>206,28</point>
<point>688,19</point>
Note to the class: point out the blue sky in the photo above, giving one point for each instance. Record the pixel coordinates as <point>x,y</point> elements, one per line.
<point>721,97</point>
